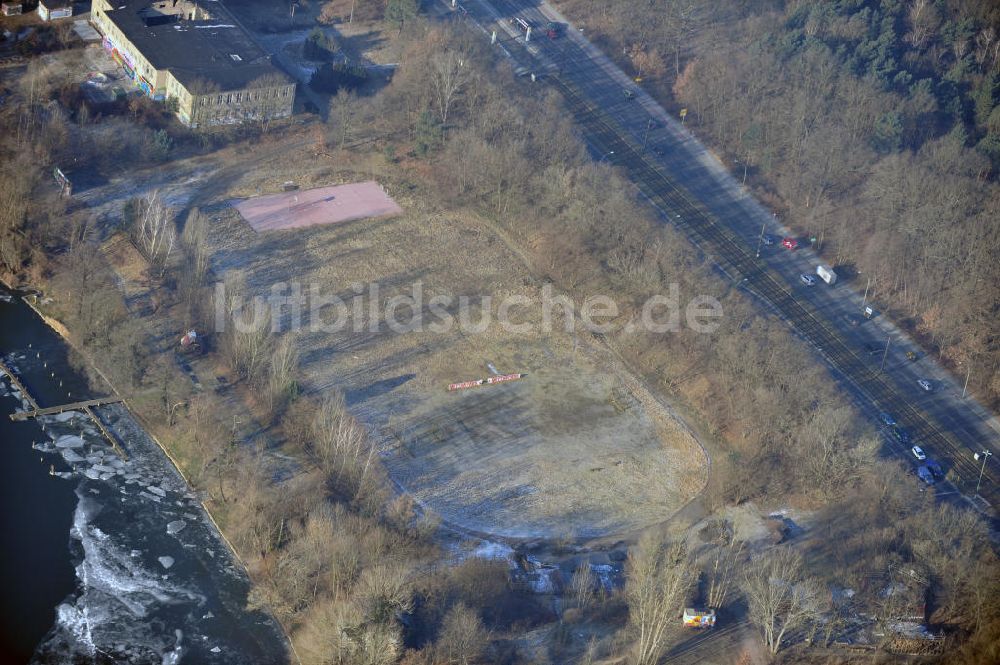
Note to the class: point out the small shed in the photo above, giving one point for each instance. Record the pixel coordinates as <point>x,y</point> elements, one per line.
<point>10,8</point>
<point>699,618</point>
<point>50,10</point>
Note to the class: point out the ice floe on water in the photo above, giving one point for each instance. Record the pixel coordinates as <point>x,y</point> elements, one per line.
<point>133,602</point>
<point>69,441</point>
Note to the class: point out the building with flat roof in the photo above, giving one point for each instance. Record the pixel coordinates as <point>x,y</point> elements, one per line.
<point>50,10</point>
<point>200,57</point>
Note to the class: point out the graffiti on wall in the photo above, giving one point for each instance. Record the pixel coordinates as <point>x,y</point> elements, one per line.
<point>127,64</point>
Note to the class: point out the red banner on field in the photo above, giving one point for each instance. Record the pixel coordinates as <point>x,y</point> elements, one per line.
<point>503,378</point>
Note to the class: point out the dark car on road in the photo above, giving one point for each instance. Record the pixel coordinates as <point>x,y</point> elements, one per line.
<point>934,468</point>
<point>926,475</point>
<point>900,434</point>
<point>887,419</point>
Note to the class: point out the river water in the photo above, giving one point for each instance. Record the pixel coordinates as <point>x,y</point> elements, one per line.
<point>106,559</point>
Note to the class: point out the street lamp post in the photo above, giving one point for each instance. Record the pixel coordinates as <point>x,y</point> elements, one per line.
<point>985,455</point>
<point>885,353</point>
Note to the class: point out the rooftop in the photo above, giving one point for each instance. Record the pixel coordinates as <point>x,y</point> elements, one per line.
<point>192,43</point>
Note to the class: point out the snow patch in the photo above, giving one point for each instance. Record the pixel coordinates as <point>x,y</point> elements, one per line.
<point>493,550</point>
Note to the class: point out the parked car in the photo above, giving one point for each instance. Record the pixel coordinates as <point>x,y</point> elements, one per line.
<point>808,280</point>
<point>935,468</point>
<point>768,239</point>
<point>919,453</point>
<point>827,274</point>
<point>925,384</point>
<point>789,243</point>
<point>900,434</point>
<point>553,30</point>
<point>910,355</point>
<point>629,94</point>
<point>887,419</point>
<point>925,475</point>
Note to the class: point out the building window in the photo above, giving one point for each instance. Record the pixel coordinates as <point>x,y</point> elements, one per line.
<point>219,100</point>
<point>229,98</point>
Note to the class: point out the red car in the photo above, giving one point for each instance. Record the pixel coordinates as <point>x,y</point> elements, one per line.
<point>789,243</point>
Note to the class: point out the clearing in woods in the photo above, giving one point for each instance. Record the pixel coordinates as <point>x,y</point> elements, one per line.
<point>576,449</point>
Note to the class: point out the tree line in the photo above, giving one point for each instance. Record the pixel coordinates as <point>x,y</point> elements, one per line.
<point>871,125</point>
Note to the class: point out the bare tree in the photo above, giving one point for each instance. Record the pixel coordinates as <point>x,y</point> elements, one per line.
<point>341,446</point>
<point>153,229</point>
<point>341,117</point>
<point>450,75</point>
<point>196,265</point>
<point>383,591</point>
<point>248,332</point>
<point>780,596</point>
<point>14,197</point>
<point>658,577</point>
<point>281,371</point>
<point>462,639</point>
<point>723,568</point>
<point>679,20</point>
<point>339,634</point>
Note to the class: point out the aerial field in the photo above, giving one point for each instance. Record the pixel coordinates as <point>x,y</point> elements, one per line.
<point>321,205</point>
<point>574,449</point>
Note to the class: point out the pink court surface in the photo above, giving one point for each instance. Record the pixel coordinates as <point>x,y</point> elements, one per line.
<point>323,205</point>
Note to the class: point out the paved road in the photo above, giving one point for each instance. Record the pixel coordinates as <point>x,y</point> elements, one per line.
<point>691,189</point>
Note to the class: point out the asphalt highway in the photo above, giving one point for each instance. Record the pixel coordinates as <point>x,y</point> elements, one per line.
<point>691,189</point>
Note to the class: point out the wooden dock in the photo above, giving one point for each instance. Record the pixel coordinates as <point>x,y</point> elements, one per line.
<point>73,406</point>
<point>16,382</point>
<point>86,406</point>
<point>112,439</point>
